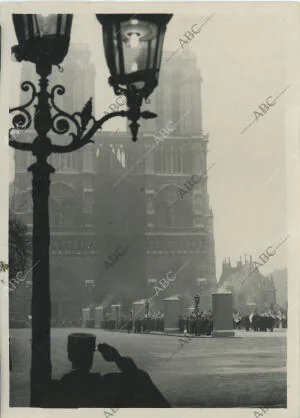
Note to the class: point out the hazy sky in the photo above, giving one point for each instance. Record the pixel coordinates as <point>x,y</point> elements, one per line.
<point>241,52</point>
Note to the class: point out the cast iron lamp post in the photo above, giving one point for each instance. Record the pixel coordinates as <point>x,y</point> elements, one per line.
<point>133,50</point>
<point>197,300</point>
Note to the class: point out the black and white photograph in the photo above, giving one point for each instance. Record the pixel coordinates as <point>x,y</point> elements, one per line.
<point>148,212</point>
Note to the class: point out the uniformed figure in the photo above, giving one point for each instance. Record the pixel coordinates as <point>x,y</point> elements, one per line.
<point>79,387</point>
<point>197,325</point>
<point>82,389</point>
<point>144,322</point>
<point>210,324</point>
<point>152,324</point>
<point>205,323</point>
<point>263,322</point>
<point>138,325</point>
<point>193,324</point>
<point>255,321</point>
<point>270,321</point>
<point>129,324</point>
<point>245,322</point>
<point>284,320</point>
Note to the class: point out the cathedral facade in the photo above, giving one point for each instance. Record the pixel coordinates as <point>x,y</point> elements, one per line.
<point>120,197</point>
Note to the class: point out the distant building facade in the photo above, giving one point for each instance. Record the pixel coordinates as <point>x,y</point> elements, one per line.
<point>251,289</point>
<point>124,196</point>
<point>281,284</point>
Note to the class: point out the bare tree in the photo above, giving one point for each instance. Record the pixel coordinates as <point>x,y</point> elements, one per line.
<point>19,245</point>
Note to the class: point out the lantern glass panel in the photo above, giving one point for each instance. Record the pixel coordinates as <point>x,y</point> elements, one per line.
<point>44,25</point>
<point>133,48</point>
<point>42,38</point>
<point>139,44</point>
<point>52,25</point>
<point>33,26</point>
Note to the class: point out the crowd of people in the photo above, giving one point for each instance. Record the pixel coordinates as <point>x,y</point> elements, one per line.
<point>260,321</point>
<point>66,323</point>
<point>198,323</point>
<point>151,322</point>
<point>154,322</point>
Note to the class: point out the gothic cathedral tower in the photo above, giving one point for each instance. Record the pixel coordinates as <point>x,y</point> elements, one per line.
<point>179,227</point>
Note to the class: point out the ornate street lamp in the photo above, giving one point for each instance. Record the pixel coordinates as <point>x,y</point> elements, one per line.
<point>197,301</point>
<point>147,304</point>
<point>133,49</point>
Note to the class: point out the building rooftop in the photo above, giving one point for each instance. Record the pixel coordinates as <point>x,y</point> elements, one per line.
<point>243,274</point>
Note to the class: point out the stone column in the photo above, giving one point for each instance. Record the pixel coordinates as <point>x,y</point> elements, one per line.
<point>138,311</point>
<point>222,315</point>
<point>116,314</point>
<point>99,317</point>
<point>173,307</point>
<point>86,316</point>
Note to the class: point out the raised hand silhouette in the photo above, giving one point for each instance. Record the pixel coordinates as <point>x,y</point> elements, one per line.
<point>108,352</point>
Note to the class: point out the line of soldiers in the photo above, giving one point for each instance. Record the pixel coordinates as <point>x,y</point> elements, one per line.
<point>66,323</point>
<point>262,322</point>
<point>136,324</point>
<point>148,324</point>
<point>198,323</point>
<point>259,321</point>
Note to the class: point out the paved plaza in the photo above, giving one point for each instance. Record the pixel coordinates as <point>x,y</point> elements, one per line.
<point>246,371</point>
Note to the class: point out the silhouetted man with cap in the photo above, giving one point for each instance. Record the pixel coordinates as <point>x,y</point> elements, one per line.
<point>82,389</point>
